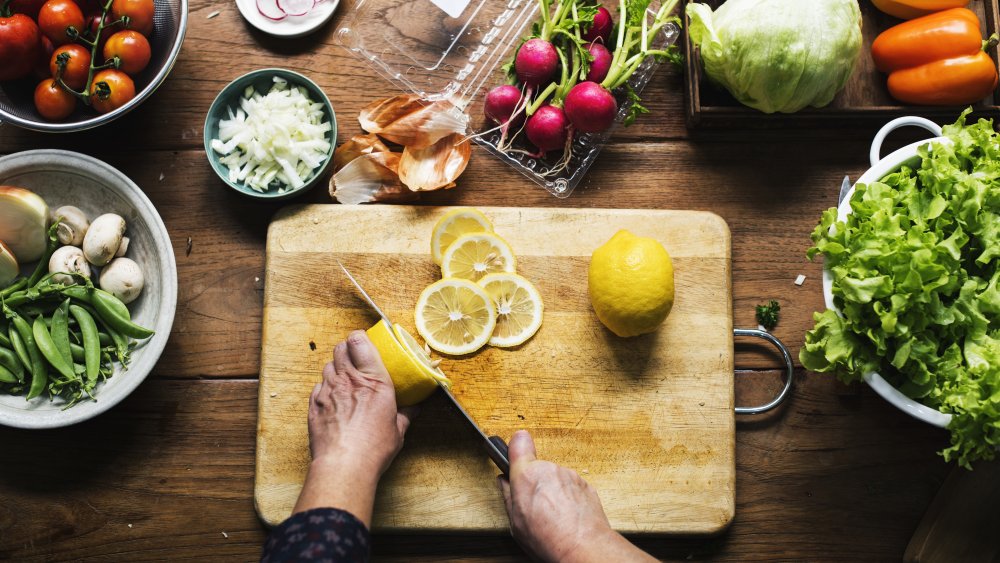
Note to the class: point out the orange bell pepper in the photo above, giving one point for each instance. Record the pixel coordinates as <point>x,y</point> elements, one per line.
<point>937,59</point>
<point>909,9</point>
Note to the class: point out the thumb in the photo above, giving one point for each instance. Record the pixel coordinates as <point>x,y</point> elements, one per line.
<point>521,450</point>
<point>364,355</point>
<point>404,417</point>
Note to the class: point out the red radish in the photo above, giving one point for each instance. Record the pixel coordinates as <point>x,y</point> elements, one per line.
<point>601,64</point>
<point>601,28</point>
<point>502,102</point>
<point>547,128</point>
<point>536,62</point>
<point>590,107</point>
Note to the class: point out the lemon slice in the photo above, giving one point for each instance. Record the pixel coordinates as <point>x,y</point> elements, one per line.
<point>519,308</point>
<point>474,255</point>
<point>454,224</point>
<point>455,316</point>
<point>413,375</point>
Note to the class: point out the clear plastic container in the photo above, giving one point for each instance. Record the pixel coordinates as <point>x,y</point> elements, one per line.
<point>454,49</point>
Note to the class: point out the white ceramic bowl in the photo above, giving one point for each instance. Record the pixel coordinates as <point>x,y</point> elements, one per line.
<point>69,178</point>
<point>880,168</point>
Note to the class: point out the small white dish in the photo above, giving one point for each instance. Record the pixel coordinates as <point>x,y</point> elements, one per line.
<point>291,26</point>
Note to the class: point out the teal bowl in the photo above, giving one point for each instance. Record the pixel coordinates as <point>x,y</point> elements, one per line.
<point>262,80</point>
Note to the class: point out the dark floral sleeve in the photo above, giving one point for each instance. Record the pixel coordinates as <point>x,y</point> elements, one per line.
<point>322,535</point>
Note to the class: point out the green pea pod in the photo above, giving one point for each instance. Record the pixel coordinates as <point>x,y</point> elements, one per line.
<point>108,307</point>
<point>9,360</point>
<point>116,305</point>
<point>15,287</point>
<point>43,262</point>
<point>91,341</point>
<point>79,293</point>
<point>7,376</point>
<point>77,351</point>
<point>18,345</point>
<point>60,331</point>
<point>4,341</point>
<point>49,350</point>
<point>39,372</point>
<point>105,339</point>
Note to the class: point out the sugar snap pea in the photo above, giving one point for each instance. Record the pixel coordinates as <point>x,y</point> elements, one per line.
<point>43,263</point>
<point>7,376</point>
<point>91,341</point>
<point>60,331</point>
<point>9,360</point>
<point>108,308</point>
<point>49,350</point>
<point>17,344</point>
<point>4,341</point>
<point>39,372</point>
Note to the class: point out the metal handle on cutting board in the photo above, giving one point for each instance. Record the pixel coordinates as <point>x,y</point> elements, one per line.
<point>875,154</point>
<point>790,369</point>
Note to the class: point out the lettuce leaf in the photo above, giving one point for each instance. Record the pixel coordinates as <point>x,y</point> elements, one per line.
<point>916,275</point>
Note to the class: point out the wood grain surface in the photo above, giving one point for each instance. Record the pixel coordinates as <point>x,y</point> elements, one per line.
<point>836,474</point>
<point>648,421</point>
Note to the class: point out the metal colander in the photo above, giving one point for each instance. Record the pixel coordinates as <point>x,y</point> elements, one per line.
<point>17,105</point>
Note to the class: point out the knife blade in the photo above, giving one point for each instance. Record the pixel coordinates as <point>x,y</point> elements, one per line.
<point>496,448</point>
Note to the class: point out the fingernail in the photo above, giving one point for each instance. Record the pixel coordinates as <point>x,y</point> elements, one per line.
<point>357,337</point>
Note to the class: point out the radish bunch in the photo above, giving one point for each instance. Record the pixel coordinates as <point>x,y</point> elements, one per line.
<point>565,77</point>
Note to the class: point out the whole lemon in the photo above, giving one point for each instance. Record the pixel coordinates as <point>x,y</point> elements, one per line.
<point>631,283</point>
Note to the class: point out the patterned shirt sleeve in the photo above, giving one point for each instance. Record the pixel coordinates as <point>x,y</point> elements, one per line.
<point>320,535</point>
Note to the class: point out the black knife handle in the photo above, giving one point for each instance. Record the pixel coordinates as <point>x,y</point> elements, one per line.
<point>497,450</point>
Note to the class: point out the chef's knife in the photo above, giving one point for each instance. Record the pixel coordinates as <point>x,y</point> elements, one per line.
<point>496,448</point>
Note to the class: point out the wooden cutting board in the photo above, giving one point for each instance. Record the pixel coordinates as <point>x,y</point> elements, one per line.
<point>648,421</point>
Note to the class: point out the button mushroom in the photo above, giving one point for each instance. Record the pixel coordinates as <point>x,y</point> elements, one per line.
<point>103,238</point>
<point>8,265</point>
<point>122,278</point>
<point>68,260</point>
<point>73,225</point>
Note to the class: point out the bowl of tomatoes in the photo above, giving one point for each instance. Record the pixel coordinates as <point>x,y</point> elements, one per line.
<point>70,65</point>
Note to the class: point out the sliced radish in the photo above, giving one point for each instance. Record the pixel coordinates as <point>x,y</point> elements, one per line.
<point>295,7</point>
<point>273,13</point>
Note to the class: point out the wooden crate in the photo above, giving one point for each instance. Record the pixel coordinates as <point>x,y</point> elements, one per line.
<point>864,100</point>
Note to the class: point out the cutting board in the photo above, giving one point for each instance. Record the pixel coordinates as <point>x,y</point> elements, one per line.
<point>647,421</point>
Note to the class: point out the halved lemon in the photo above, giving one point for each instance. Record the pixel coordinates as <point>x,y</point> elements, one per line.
<point>455,316</point>
<point>474,255</point>
<point>454,224</point>
<point>413,375</point>
<point>519,308</point>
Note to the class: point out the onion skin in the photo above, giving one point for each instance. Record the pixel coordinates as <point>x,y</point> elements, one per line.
<point>24,219</point>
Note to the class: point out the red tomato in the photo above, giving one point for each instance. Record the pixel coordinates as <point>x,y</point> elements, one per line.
<point>41,69</point>
<point>119,91</point>
<point>27,7</point>
<point>19,45</point>
<point>56,18</point>
<point>92,23</point>
<point>77,67</point>
<point>132,50</point>
<point>139,12</point>
<point>52,101</point>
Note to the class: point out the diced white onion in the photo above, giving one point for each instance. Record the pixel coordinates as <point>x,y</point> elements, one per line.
<point>275,140</point>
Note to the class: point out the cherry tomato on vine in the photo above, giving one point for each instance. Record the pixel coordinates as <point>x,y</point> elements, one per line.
<point>132,50</point>
<point>19,45</point>
<point>139,12</point>
<point>56,18</point>
<point>110,90</point>
<point>77,67</point>
<point>41,67</point>
<point>93,22</point>
<point>52,101</point>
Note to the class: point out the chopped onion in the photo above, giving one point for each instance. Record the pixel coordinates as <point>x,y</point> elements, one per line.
<point>295,7</point>
<point>275,140</point>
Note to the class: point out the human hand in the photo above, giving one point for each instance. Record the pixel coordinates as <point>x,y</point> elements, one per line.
<point>554,514</point>
<point>355,430</point>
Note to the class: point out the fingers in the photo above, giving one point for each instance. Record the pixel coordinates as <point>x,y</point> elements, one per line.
<point>365,356</point>
<point>404,417</point>
<point>521,451</point>
<point>341,360</point>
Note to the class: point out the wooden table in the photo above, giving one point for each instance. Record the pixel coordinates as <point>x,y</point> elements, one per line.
<point>168,474</point>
